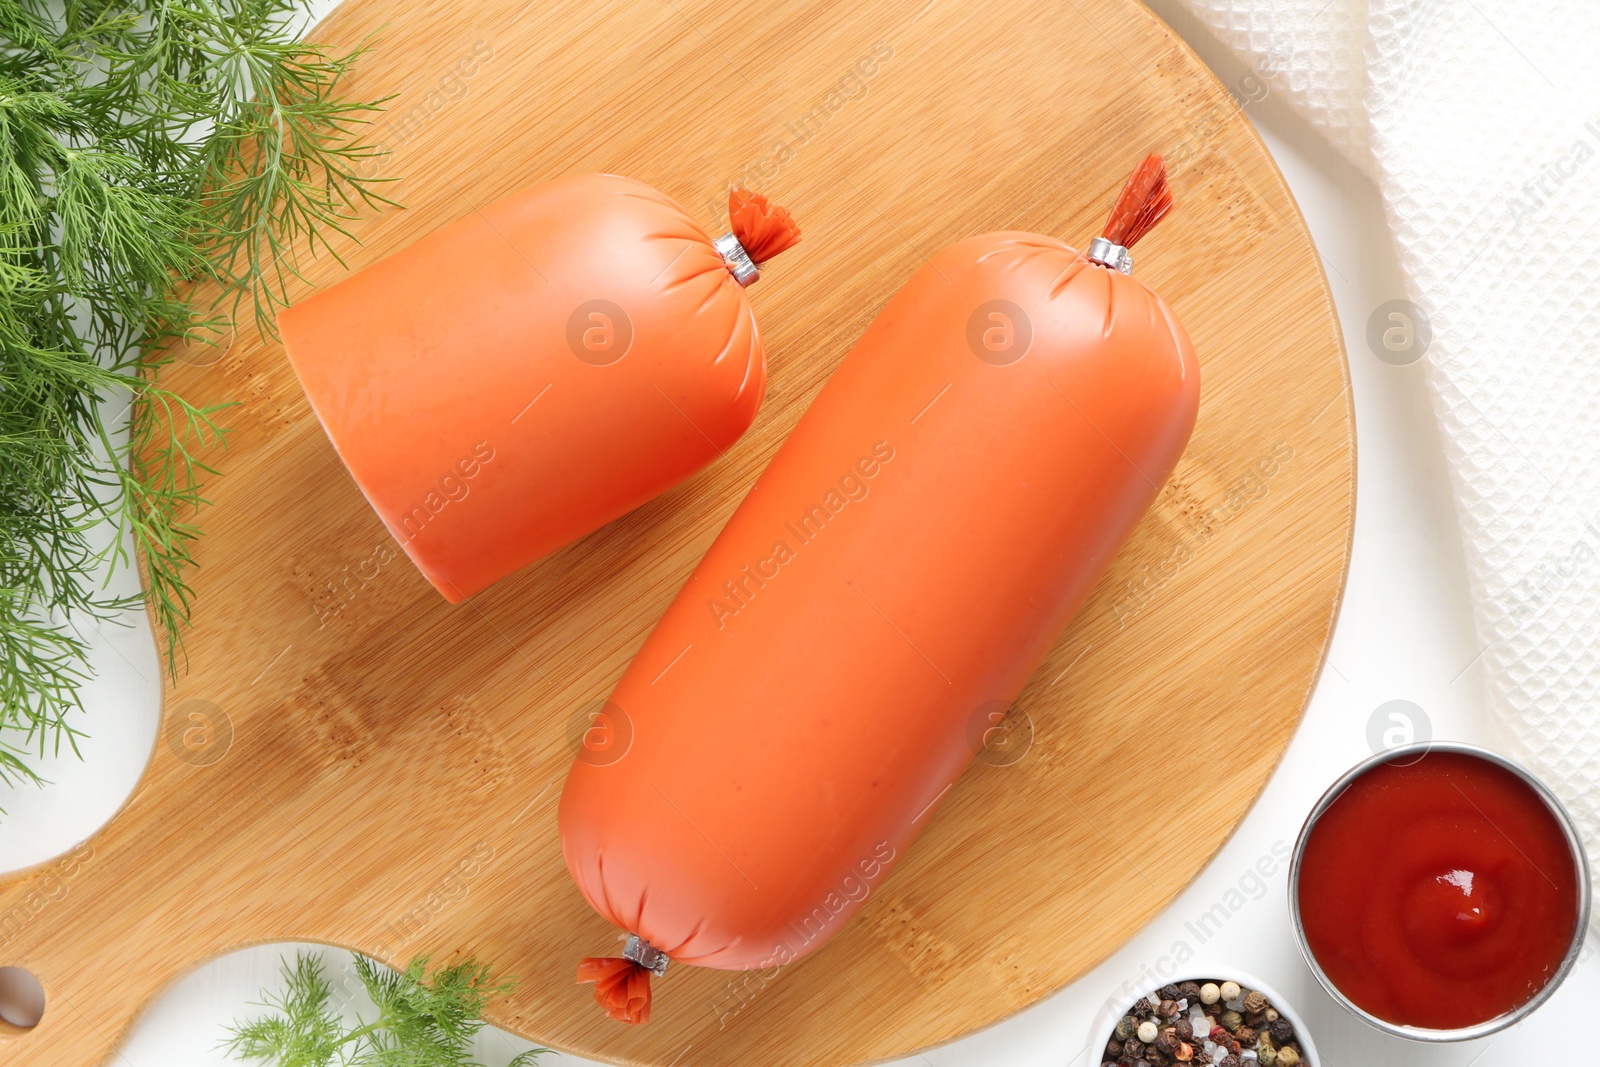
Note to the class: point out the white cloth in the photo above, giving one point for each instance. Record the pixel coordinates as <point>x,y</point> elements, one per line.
<point>1480,122</point>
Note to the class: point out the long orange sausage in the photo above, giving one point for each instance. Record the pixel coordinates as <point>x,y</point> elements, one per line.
<point>526,374</point>
<point>898,571</point>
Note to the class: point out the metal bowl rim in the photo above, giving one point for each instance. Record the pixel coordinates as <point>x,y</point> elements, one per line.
<point>1579,858</point>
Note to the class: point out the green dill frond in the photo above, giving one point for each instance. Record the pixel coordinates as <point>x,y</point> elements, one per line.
<point>304,1030</point>
<point>421,1020</point>
<point>290,160</point>
<point>146,147</point>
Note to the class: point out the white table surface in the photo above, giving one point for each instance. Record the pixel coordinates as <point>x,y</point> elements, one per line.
<point>1405,633</point>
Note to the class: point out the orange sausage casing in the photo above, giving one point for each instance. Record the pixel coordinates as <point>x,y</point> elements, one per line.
<point>888,585</point>
<point>529,372</point>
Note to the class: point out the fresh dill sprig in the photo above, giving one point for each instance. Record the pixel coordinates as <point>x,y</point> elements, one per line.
<point>150,150</point>
<point>422,1020</point>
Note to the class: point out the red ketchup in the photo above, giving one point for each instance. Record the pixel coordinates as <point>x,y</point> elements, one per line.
<point>1439,893</point>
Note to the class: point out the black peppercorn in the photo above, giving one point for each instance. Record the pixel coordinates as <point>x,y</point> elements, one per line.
<point>1241,1023</point>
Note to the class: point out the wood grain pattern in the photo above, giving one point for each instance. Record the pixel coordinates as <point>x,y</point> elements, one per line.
<point>351,760</point>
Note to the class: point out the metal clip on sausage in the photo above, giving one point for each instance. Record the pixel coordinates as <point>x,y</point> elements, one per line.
<point>1110,254</point>
<point>744,268</point>
<point>646,955</point>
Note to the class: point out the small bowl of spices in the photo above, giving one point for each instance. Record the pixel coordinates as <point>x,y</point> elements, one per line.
<point>1215,1021</point>
<point>1439,892</point>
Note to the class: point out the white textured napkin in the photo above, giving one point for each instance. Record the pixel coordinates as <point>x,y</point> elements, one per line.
<point>1480,122</point>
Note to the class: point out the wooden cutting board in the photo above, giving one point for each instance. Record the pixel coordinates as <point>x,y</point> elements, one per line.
<point>348,759</point>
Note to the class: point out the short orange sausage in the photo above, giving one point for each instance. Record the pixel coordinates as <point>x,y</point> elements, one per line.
<point>526,374</point>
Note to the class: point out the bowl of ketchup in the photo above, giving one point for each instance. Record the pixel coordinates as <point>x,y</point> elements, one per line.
<point>1439,891</point>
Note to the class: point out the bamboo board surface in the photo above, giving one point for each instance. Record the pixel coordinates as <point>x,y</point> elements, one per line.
<point>351,760</point>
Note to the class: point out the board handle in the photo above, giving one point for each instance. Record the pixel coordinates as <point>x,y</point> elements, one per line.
<point>173,879</point>
<point>64,964</point>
